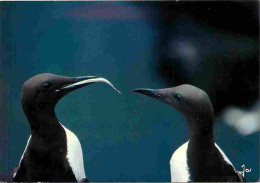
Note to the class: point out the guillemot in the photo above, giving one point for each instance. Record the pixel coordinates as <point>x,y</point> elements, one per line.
<point>199,159</point>
<point>53,153</point>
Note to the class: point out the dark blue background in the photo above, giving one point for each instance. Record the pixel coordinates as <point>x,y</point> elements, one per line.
<point>125,137</point>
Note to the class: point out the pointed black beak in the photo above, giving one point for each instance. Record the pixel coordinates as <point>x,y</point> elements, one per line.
<point>79,82</point>
<point>153,93</point>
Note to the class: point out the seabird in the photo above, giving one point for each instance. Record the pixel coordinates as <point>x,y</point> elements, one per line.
<point>53,153</point>
<point>200,159</point>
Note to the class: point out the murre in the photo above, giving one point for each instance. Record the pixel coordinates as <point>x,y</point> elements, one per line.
<point>53,153</point>
<point>200,159</point>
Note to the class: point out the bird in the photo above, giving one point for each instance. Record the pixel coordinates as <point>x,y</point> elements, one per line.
<point>53,153</point>
<point>200,159</point>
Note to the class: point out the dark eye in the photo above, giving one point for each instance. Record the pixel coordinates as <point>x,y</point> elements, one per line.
<point>178,97</point>
<point>46,85</point>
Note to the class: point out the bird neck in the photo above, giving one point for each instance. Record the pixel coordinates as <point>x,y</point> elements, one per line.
<point>44,123</point>
<point>201,132</point>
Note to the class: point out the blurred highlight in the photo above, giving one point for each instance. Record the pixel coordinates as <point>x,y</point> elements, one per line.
<point>245,122</point>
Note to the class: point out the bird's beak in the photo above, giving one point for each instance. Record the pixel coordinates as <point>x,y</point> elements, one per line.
<point>78,82</point>
<point>153,93</point>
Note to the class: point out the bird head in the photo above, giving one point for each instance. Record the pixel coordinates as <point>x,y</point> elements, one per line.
<point>192,102</point>
<point>43,91</point>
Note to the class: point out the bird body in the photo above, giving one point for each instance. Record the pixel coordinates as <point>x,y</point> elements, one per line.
<point>200,159</point>
<point>180,164</point>
<point>53,153</point>
<point>57,159</point>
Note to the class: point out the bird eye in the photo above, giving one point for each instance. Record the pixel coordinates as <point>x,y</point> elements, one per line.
<point>46,85</point>
<point>178,97</point>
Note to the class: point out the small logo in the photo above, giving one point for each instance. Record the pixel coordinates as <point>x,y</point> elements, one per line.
<point>245,170</point>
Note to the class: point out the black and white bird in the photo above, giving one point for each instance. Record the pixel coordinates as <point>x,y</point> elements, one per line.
<point>53,153</point>
<point>199,159</point>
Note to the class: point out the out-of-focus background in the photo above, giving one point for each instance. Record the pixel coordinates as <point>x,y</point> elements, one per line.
<point>130,137</point>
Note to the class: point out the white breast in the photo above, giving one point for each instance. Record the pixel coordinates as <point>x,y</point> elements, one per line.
<point>74,155</point>
<point>224,156</point>
<point>28,141</point>
<point>179,166</point>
